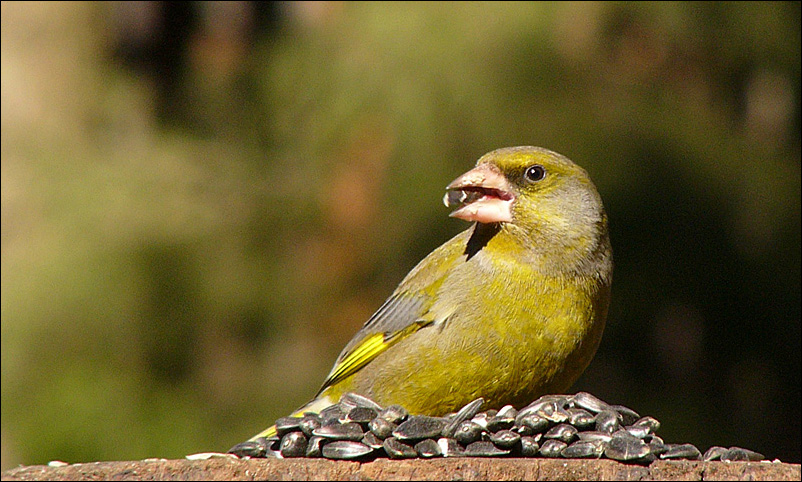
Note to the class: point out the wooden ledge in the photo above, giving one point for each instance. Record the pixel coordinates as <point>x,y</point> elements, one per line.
<point>473,468</point>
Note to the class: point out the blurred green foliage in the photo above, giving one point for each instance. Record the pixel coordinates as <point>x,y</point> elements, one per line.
<point>188,243</point>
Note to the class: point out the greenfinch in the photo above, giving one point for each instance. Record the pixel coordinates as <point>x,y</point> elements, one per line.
<point>508,310</point>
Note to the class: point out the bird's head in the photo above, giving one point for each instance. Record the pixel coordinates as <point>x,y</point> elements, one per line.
<point>539,196</point>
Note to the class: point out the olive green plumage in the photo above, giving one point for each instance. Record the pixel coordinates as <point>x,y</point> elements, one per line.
<point>508,310</point>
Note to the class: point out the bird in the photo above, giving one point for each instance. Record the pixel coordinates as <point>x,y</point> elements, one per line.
<point>512,308</point>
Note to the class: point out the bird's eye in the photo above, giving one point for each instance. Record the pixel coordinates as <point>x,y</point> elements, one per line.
<point>535,173</point>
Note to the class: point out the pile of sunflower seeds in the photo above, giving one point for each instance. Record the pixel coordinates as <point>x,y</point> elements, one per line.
<point>567,426</point>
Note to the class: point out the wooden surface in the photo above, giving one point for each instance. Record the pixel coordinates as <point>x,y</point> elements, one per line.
<point>416,469</point>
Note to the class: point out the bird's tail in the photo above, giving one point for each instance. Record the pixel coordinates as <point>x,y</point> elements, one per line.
<point>315,406</point>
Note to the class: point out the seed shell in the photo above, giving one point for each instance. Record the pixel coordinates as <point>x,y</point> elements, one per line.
<point>418,427</point>
<point>568,426</point>
<point>484,449</point>
<point>345,450</point>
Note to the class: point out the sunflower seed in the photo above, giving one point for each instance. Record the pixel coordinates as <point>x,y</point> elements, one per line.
<point>345,450</point>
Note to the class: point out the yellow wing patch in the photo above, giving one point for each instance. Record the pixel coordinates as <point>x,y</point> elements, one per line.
<point>362,354</point>
<point>367,350</point>
<point>267,433</point>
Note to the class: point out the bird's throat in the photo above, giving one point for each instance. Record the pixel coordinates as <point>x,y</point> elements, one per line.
<point>482,234</point>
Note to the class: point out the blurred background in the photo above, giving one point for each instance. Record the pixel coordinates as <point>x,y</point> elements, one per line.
<point>202,202</point>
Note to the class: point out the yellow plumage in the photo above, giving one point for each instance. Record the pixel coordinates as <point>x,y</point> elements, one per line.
<point>508,310</point>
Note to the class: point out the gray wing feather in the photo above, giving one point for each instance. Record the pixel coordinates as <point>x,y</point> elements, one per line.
<point>399,311</point>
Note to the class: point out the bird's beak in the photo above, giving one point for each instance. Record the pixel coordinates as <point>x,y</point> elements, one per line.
<point>482,194</point>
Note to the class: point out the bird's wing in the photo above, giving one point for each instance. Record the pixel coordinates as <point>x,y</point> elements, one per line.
<point>401,315</point>
<point>409,309</point>
<point>404,313</point>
